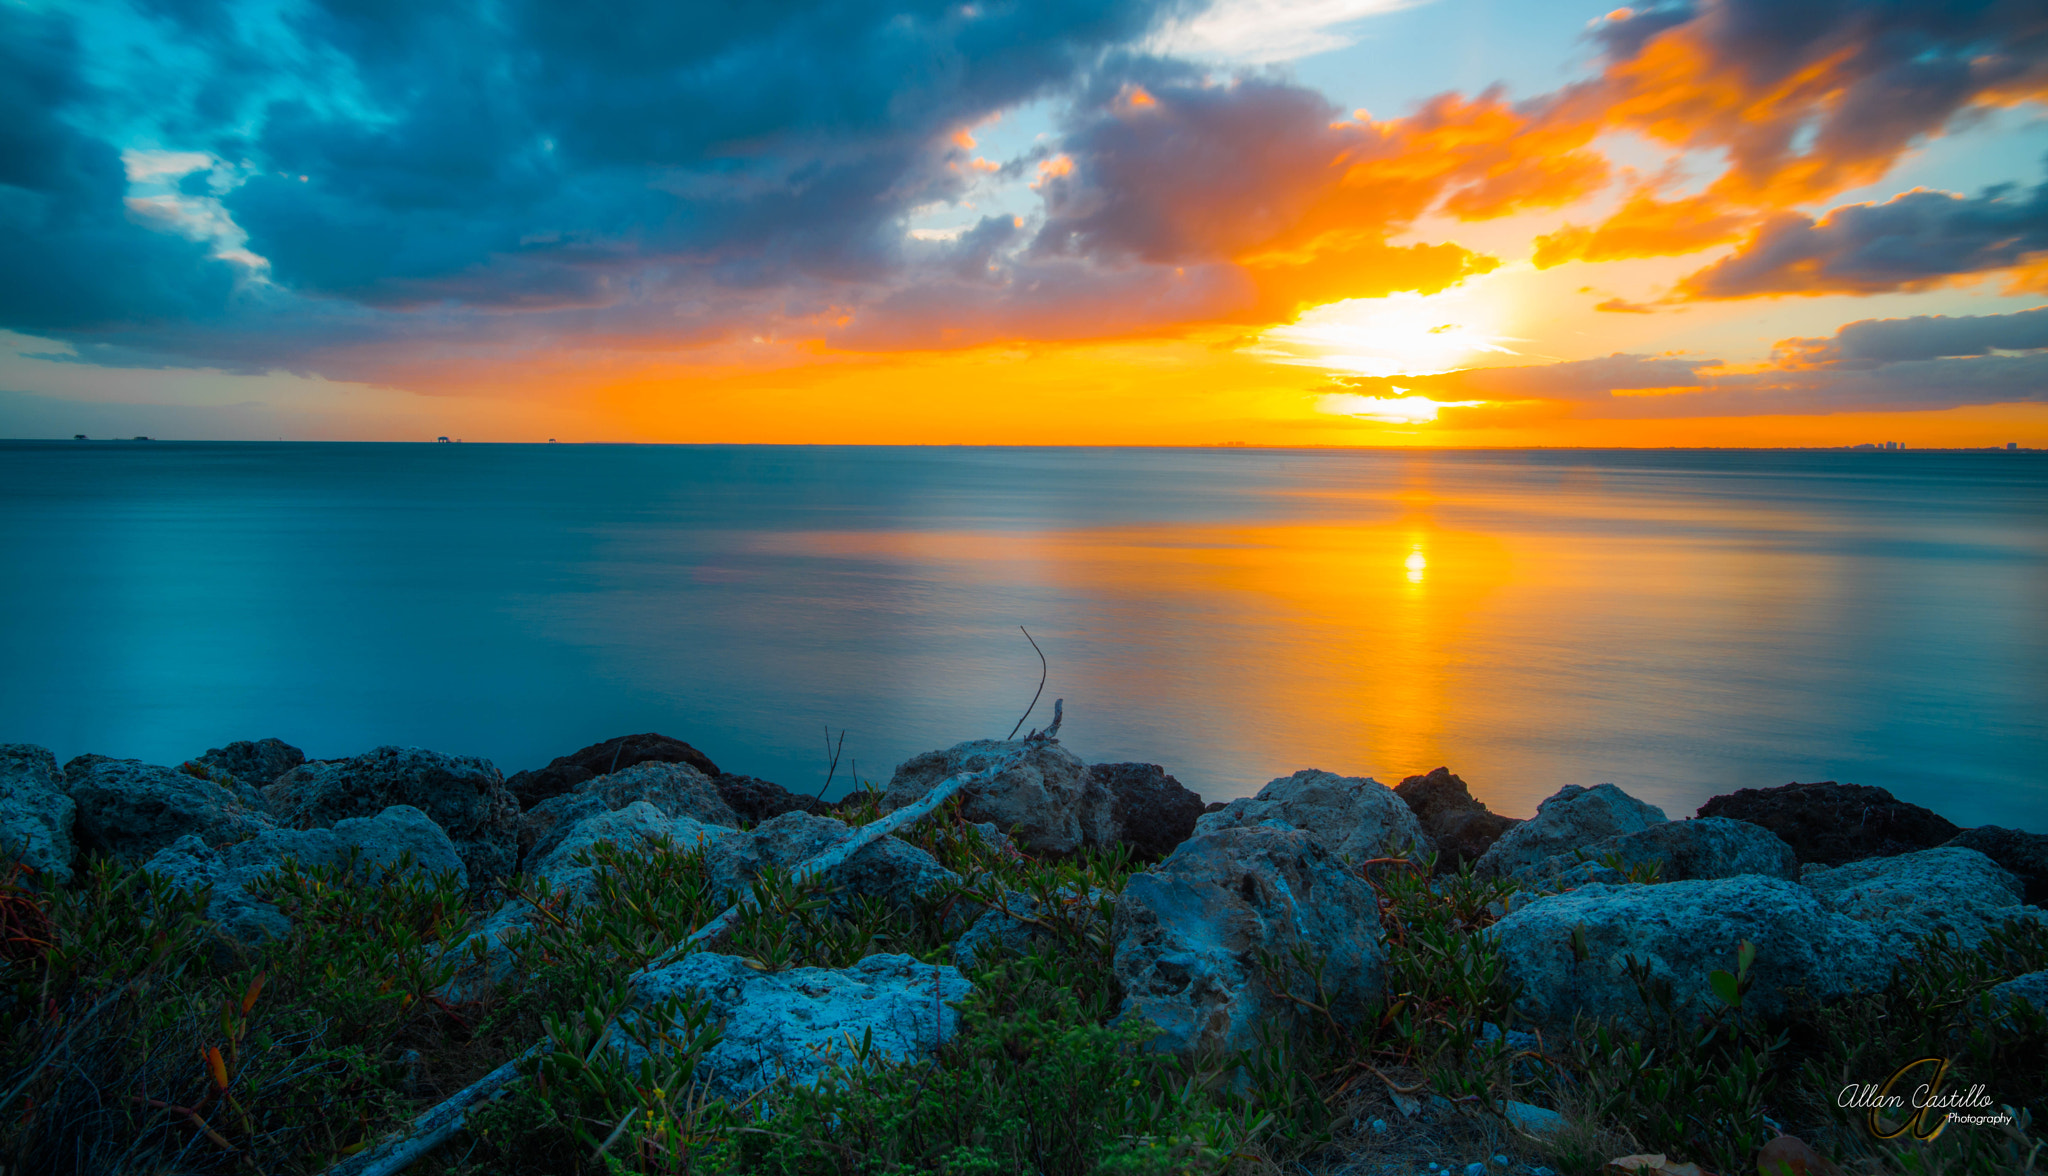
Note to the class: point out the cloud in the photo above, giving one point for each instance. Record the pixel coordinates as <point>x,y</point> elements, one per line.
<point>1623,306</point>
<point>1912,241</point>
<point>1258,32</point>
<point>1873,343</point>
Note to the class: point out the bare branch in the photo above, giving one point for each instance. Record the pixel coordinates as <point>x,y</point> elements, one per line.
<point>1043,669</point>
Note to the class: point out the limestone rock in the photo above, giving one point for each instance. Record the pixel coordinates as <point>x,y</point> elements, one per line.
<point>2025,854</point>
<point>462,794</point>
<point>755,800</point>
<point>256,764</point>
<point>602,759</point>
<point>1684,851</point>
<point>36,812</point>
<point>997,929</point>
<point>797,1023</point>
<point>2031,988</point>
<point>1188,932</point>
<point>1683,931</point>
<point>1832,823</point>
<point>245,921</point>
<point>1355,816</point>
<point>543,826</point>
<point>1151,810</point>
<point>627,828</point>
<point>130,810</point>
<point>1572,818</point>
<point>890,869</point>
<point>1459,825</point>
<point>1047,795</point>
<point>1913,894</point>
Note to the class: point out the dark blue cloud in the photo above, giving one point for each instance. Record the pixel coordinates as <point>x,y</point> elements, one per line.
<point>1872,343</point>
<point>73,259</point>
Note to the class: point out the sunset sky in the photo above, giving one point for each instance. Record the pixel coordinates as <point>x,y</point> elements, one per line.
<point>1324,222</point>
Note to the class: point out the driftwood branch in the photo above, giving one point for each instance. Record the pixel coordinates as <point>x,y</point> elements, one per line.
<point>1043,670</point>
<point>433,1128</point>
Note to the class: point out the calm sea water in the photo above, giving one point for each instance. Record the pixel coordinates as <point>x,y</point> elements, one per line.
<point>1679,623</point>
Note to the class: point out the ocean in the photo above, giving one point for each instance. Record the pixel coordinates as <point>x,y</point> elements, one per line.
<point>1680,623</point>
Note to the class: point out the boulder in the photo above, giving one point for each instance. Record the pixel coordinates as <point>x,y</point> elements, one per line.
<point>1006,929</point>
<point>676,789</point>
<point>1046,795</point>
<point>1683,931</point>
<point>891,869</point>
<point>798,1023</point>
<point>543,826</point>
<point>36,813</point>
<point>245,921</point>
<point>1572,818</point>
<point>1460,826</point>
<point>602,759</point>
<point>1832,823</point>
<point>129,810</point>
<point>2031,988</point>
<point>462,794</point>
<point>2025,854</point>
<point>1683,851</point>
<point>755,800</point>
<point>257,764</point>
<point>1151,810</point>
<point>1189,932</point>
<point>1354,816</point>
<point>1914,894</point>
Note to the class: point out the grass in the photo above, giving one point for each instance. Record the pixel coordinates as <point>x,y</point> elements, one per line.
<point>130,1043</point>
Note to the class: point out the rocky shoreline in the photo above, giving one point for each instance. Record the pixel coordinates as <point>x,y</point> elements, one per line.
<point>1836,884</point>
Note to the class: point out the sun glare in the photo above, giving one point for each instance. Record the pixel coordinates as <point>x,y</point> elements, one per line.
<point>1394,410</point>
<point>1399,335</point>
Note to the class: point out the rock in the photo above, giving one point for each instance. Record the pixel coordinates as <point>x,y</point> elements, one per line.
<point>247,922</point>
<point>1571,818</point>
<point>1683,851</point>
<point>1913,894</point>
<point>1683,931</point>
<point>1214,806</point>
<point>800,1022</point>
<point>626,827</point>
<point>129,810</point>
<point>1005,932</point>
<point>1047,795</point>
<point>2031,988</point>
<point>1151,810</point>
<point>36,813</point>
<point>891,869</point>
<point>676,789</point>
<point>1349,815</point>
<point>1188,932</point>
<point>257,764</point>
<point>543,826</point>
<point>755,800</point>
<point>1460,826</point>
<point>603,759</point>
<point>2025,854</point>
<point>462,794</point>
<point>1832,823</point>
<point>1531,1119</point>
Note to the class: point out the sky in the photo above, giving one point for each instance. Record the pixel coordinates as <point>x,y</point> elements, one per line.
<point>1125,222</point>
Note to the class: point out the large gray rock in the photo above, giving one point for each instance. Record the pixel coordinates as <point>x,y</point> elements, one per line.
<point>1683,931</point>
<point>1017,925</point>
<point>676,789</point>
<point>890,869</point>
<point>257,764</point>
<point>129,810</point>
<point>1188,933</point>
<point>462,794</point>
<point>246,921</point>
<point>1573,818</point>
<point>1683,851</point>
<point>2025,854</point>
<point>1047,794</point>
<point>2031,989</point>
<point>797,1024</point>
<point>36,812</point>
<point>1354,816</point>
<point>1914,894</point>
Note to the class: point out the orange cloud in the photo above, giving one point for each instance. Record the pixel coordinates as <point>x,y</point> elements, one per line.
<point>1643,226</point>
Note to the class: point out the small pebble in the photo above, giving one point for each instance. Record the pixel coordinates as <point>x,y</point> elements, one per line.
<point>1379,1126</point>
<point>1475,1170</point>
<point>1501,1160</point>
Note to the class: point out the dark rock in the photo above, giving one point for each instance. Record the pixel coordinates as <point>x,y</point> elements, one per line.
<point>1831,824</point>
<point>257,764</point>
<point>463,794</point>
<point>602,759</point>
<point>756,800</point>
<point>36,812</point>
<point>675,790</point>
<point>1460,825</point>
<point>1153,811</point>
<point>129,810</point>
<point>1215,806</point>
<point>2025,854</point>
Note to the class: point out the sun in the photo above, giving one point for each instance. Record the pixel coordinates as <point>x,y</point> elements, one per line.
<point>1399,335</point>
